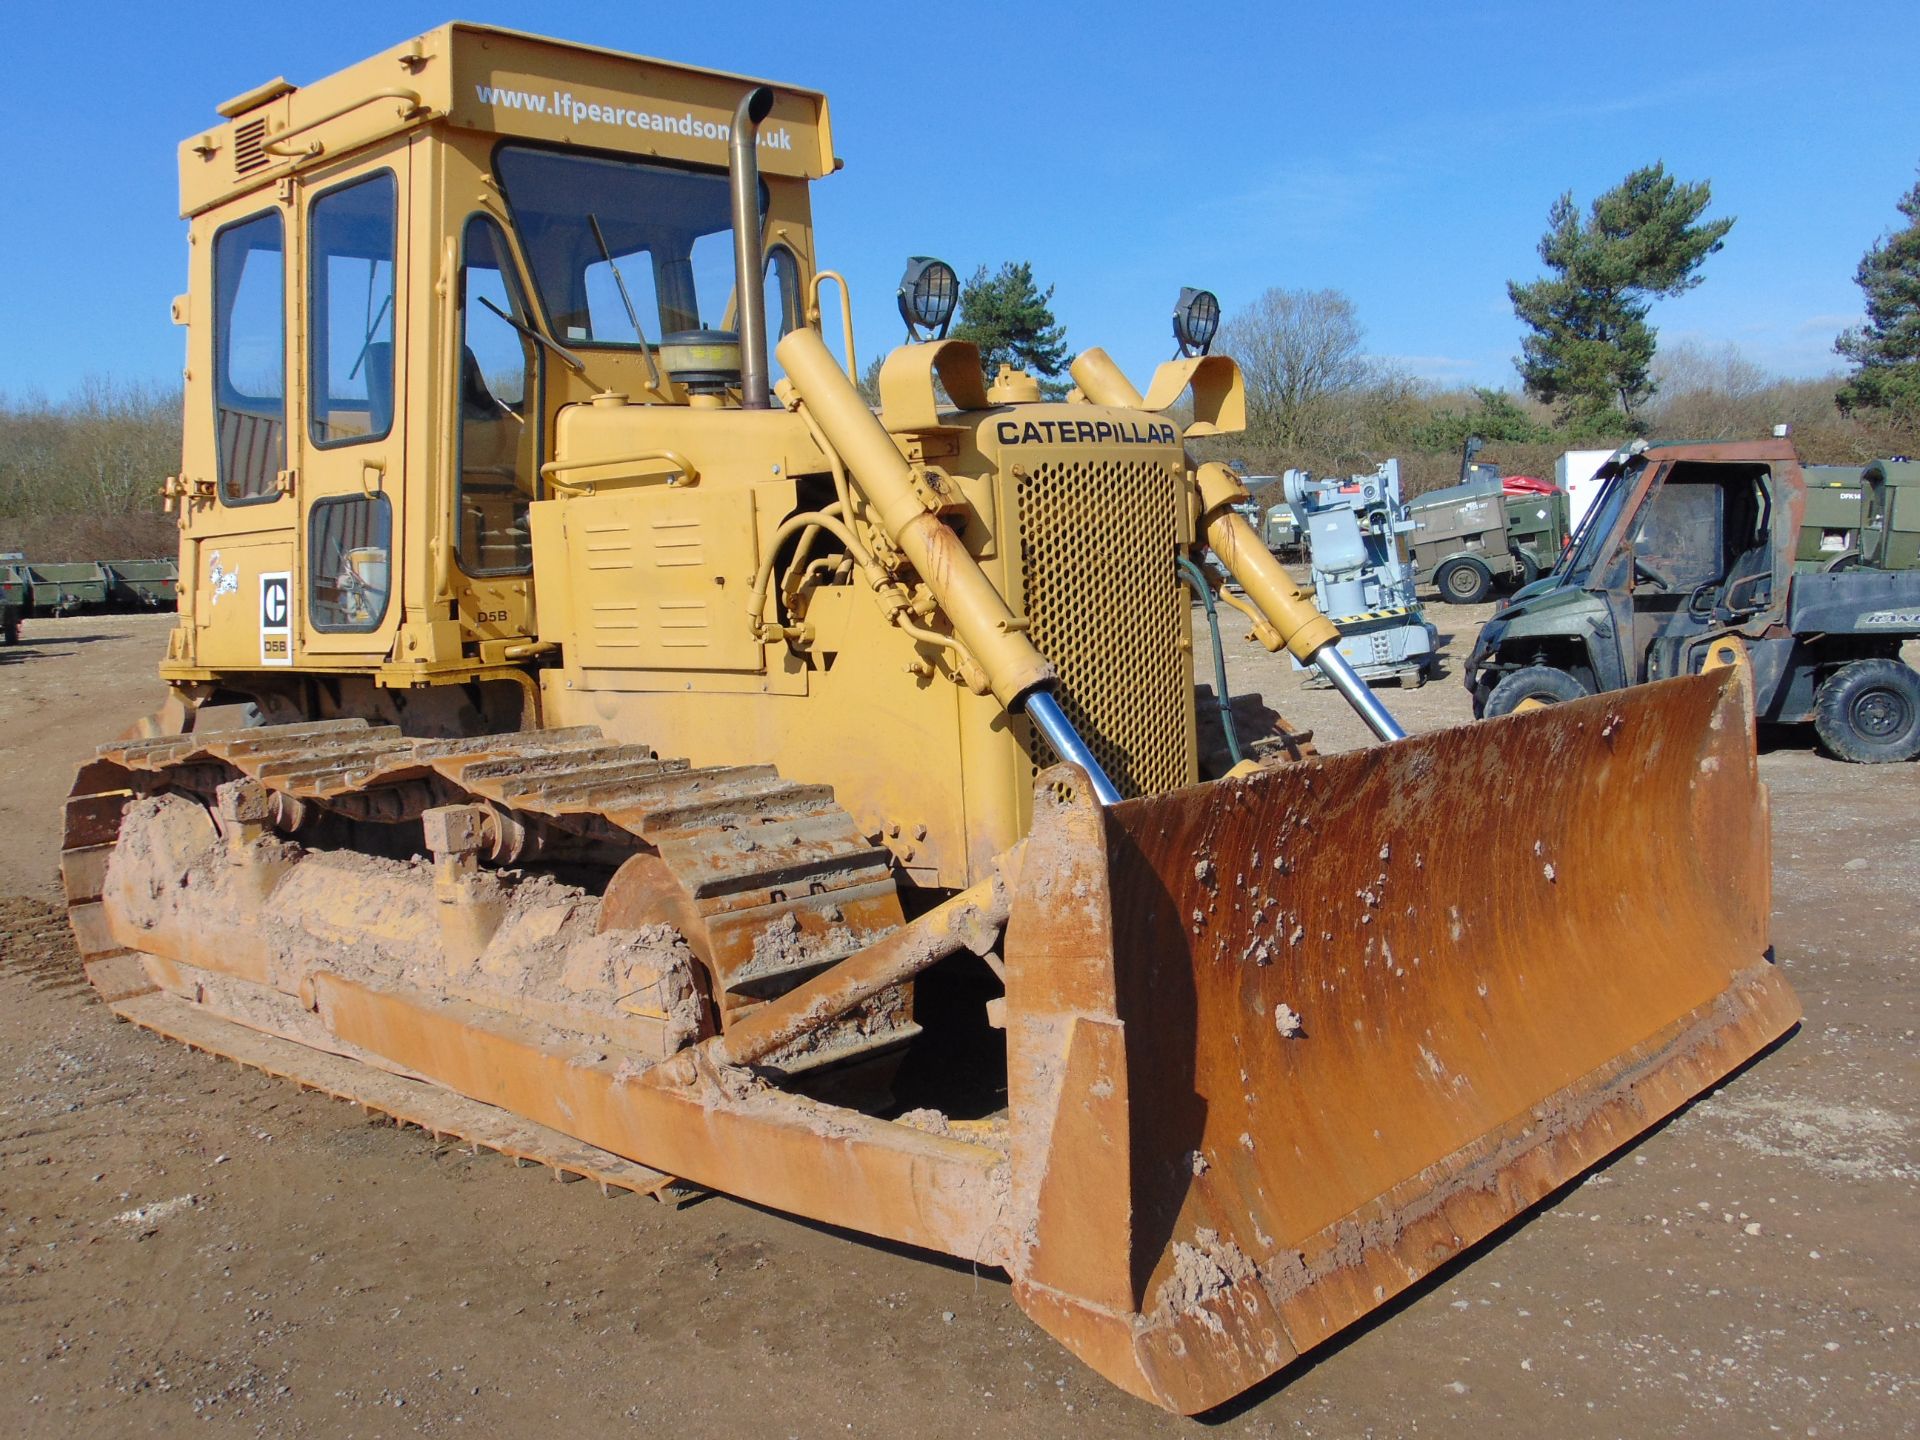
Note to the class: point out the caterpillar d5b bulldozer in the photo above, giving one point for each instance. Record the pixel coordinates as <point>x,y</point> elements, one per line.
<point>597,732</point>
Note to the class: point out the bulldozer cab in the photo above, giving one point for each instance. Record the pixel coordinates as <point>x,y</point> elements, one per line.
<point>401,275</point>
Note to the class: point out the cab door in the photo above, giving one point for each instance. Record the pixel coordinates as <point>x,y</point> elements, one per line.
<point>355,304</point>
<point>239,460</point>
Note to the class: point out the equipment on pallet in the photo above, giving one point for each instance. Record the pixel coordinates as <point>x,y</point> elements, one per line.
<point>1362,580</point>
<point>812,792</point>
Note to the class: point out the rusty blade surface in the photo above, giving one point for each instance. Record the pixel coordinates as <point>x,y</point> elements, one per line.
<point>1362,1011</point>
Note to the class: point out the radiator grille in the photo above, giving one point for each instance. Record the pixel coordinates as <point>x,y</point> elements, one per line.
<point>1097,546</point>
<point>249,141</point>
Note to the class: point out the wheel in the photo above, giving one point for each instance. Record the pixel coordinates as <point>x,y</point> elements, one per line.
<point>1529,567</point>
<point>1464,581</point>
<point>1869,712</point>
<point>1845,560</point>
<point>12,628</point>
<point>1542,684</point>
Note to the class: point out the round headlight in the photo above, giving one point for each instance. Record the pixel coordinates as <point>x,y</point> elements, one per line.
<point>928,292</point>
<point>1196,319</point>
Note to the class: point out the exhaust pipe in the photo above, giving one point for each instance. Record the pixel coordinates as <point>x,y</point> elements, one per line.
<point>749,260</point>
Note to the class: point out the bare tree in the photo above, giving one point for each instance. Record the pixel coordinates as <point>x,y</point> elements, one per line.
<point>82,471</point>
<point>1712,393</point>
<point>1297,349</point>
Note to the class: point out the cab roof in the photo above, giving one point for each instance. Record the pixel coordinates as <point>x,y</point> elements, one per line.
<point>505,82</point>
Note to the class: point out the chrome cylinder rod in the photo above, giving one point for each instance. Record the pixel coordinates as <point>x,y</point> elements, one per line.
<point>1354,690</point>
<point>1043,710</point>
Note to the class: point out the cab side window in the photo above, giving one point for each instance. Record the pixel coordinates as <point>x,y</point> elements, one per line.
<point>350,330</point>
<point>250,357</point>
<point>496,409</point>
<point>784,300</point>
<point>349,560</point>
<point>1681,532</point>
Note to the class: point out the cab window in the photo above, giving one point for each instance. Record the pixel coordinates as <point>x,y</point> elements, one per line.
<point>594,226</point>
<point>1705,522</point>
<point>496,409</point>
<point>350,329</point>
<point>349,562</point>
<point>250,357</point>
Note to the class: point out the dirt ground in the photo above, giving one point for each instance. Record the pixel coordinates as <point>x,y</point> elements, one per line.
<point>187,1247</point>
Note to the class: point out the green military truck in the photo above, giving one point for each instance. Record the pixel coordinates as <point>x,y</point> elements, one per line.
<point>1890,522</point>
<point>13,595</point>
<point>1469,537</point>
<point>1691,549</point>
<point>1830,529</point>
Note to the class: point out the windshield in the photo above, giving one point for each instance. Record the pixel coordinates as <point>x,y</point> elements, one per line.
<point>1577,561</point>
<point>622,246</point>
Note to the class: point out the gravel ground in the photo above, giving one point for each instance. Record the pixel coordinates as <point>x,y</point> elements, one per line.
<point>184,1244</point>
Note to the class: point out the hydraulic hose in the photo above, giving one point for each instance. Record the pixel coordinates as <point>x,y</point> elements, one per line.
<point>1197,581</point>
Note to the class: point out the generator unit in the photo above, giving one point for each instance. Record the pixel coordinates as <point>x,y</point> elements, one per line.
<point>1362,577</point>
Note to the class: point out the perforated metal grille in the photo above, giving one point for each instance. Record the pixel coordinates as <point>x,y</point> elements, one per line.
<point>1097,544</point>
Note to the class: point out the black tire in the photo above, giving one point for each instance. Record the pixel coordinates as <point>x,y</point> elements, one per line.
<point>1869,712</point>
<point>1846,560</point>
<point>1535,682</point>
<point>1529,568</point>
<point>13,629</point>
<point>1464,582</point>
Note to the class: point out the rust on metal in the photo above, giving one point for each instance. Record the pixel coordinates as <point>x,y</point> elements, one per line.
<point>1277,1046</point>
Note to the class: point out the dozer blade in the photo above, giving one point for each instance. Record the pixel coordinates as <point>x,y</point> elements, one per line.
<point>1281,1046</point>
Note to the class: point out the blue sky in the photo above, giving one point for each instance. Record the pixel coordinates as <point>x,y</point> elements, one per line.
<point>1405,153</point>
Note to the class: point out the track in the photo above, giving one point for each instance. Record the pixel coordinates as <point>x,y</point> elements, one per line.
<point>730,855</point>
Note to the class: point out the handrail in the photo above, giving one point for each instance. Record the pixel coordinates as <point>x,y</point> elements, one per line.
<point>267,147</point>
<point>554,468</point>
<point>846,314</point>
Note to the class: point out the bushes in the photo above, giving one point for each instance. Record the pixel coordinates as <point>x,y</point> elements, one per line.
<point>81,480</point>
<point>1704,395</point>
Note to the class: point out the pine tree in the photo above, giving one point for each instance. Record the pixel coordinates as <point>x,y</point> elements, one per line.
<point>1011,320</point>
<point>1886,350</point>
<point>1591,348</point>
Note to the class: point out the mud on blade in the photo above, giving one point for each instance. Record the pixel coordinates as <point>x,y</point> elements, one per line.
<point>1280,1047</point>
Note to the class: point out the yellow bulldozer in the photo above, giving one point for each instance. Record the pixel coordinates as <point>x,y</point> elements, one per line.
<point>597,732</point>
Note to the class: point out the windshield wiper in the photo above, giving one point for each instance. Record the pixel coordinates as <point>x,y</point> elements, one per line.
<point>633,315</point>
<point>532,334</point>
<point>373,329</point>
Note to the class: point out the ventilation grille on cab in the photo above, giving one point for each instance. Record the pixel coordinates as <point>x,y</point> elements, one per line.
<point>249,146</point>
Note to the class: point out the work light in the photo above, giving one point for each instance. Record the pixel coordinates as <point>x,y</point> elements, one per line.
<point>1196,318</point>
<point>927,294</point>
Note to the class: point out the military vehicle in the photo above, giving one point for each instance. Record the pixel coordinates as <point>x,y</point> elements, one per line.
<point>13,596</point>
<point>1470,537</point>
<point>1890,521</point>
<point>1830,528</point>
<point>1688,558</point>
<point>672,770</point>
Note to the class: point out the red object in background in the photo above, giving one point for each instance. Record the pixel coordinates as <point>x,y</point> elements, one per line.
<point>1527,485</point>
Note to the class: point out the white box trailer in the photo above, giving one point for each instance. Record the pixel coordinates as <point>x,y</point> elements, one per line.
<point>1573,473</point>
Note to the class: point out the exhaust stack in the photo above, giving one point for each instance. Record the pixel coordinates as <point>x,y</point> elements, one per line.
<point>749,259</point>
